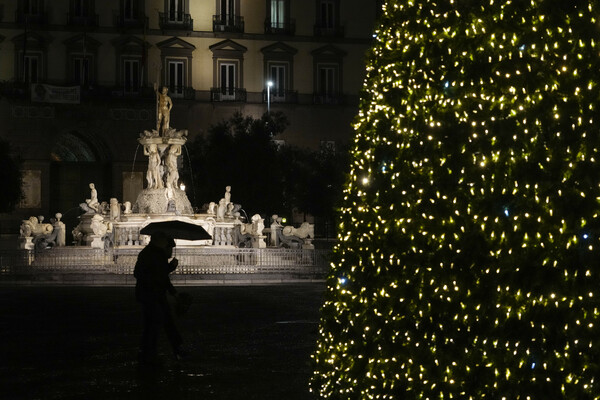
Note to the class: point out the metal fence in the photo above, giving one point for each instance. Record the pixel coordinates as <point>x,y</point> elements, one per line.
<point>192,261</point>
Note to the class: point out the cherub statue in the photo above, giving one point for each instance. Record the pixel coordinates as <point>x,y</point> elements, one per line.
<point>92,202</point>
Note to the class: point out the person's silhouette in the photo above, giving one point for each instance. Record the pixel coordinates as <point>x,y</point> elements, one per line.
<point>151,272</point>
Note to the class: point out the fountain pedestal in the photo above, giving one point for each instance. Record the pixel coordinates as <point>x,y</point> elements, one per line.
<point>160,201</point>
<point>162,194</point>
<point>26,243</point>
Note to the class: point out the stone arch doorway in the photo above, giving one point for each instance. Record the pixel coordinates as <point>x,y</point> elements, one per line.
<point>76,160</point>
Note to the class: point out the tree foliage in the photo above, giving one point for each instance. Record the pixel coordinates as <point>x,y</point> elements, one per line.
<point>265,178</point>
<point>468,262</point>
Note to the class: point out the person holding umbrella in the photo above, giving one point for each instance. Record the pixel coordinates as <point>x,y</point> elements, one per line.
<point>151,272</point>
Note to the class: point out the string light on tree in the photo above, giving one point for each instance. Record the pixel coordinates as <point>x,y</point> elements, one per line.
<point>467,264</point>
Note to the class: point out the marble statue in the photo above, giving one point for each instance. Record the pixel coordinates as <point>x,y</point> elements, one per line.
<point>171,161</point>
<point>258,224</point>
<point>148,134</point>
<point>227,195</point>
<point>153,175</point>
<point>99,227</point>
<point>163,109</point>
<point>127,207</point>
<point>27,227</point>
<point>104,208</point>
<point>306,230</point>
<point>251,235</point>
<point>229,211</point>
<point>61,232</point>
<point>92,202</point>
<point>33,230</point>
<point>221,208</point>
<point>236,211</point>
<point>33,227</point>
<point>115,209</point>
<point>275,229</point>
<point>175,134</point>
<point>212,208</point>
<point>77,235</point>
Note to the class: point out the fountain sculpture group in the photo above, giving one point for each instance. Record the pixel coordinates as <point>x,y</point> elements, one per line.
<point>112,224</point>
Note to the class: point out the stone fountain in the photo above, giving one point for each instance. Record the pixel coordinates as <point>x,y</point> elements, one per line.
<point>112,224</point>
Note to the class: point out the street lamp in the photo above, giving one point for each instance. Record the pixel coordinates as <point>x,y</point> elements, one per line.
<point>269,84</point>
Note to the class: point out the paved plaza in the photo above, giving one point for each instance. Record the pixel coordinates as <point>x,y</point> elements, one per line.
<point>75,342</point>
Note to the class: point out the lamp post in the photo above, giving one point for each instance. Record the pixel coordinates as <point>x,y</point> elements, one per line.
<point>269,84</point>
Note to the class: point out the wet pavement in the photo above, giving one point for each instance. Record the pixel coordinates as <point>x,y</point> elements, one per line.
<point>246,342</point>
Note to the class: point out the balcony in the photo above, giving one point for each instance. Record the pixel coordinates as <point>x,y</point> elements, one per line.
<point>280,28</point>
<point>182,92</point>
<point>228,23</point>
<point>22,18</point>
<point>82,20</point>
<point>228,94</point>
<point>329,30</point>
<point>281,96</point>
<point>123,21</point>
<point>132,92</point>
<point>328,98</point>
<point>175,21</point>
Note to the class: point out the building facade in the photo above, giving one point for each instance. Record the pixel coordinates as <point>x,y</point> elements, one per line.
<point>77,80</point>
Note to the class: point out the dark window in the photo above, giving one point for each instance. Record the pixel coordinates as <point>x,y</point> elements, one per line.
<point>176,10</point>
<point>327,14</point>
<point>176,78</point>
<point>227,80</point>
<point>33,7</point>
<point>278,77</point>
<point>31,69</point>
<point>81,8</point>
<point>227,8</point>
<point>327,80</point>
<point>131,76</point>
<point>277,14</point>
<point>81,71</point>
<point>130,9</point>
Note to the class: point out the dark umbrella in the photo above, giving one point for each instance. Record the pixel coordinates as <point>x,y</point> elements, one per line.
<point>177,230</point>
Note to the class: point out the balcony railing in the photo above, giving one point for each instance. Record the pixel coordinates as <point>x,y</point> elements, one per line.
<point>325,30</point>
<point>182,92</point>
<point>34,19</point>
<point>124,22</point>
<point>130,91</point>
<point>281,96</point>
<point>228,94</point>
<point>228,23</point>
<point>175,21</point>
<point>280,28</point>
<point>328,98</point>
<point>82,20</point>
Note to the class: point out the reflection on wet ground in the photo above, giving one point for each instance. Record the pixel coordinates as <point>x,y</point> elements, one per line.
<point>246,343</point>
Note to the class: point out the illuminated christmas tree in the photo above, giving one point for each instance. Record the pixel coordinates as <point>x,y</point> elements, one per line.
<point>468,265</point>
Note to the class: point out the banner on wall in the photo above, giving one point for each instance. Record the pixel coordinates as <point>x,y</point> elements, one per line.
<point>43,93</point>
<point>32,189</point>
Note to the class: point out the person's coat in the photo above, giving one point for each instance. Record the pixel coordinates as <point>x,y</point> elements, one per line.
<point>152,271</point>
